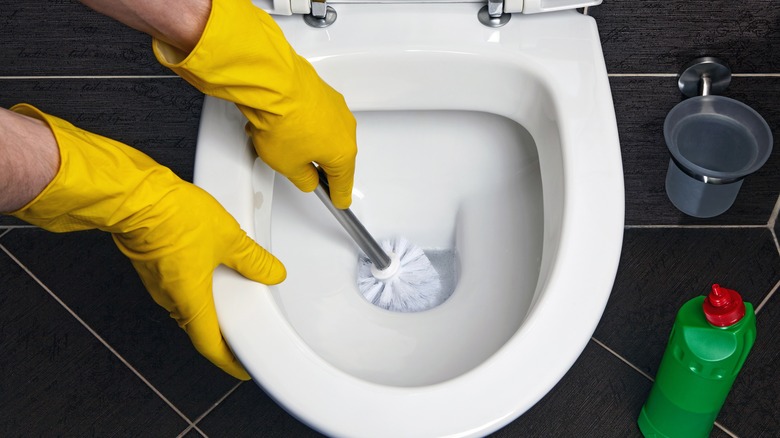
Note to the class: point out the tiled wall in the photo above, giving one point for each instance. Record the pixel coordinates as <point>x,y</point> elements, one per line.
<point>646,43</point>
<point>84,350</point>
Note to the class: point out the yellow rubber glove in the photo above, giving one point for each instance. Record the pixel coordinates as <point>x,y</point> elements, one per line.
<point>174,233</point>
<point>295,118</point>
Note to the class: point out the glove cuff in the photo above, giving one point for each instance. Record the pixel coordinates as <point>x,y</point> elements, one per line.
<point>95,184</point>
<point>242,56</point>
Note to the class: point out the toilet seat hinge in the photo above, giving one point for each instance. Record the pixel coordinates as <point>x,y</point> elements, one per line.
<point>319,8</point>
<point>321,15</point>
<point>493,14</point>
<point>495,8</point>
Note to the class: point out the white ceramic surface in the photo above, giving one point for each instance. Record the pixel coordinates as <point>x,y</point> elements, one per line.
<point>497,144</point>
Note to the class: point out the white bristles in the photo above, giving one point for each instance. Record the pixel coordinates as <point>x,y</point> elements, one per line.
<point>414,287</point>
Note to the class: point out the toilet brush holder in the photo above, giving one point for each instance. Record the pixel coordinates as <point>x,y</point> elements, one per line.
<point>714,142</point>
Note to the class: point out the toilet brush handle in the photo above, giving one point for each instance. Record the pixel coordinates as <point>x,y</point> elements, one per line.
<point>352,226</point>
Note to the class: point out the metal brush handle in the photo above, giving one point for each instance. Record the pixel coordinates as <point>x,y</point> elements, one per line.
<point>352,226</point>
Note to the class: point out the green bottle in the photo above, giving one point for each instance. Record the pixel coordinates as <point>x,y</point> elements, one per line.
<point>709,343</point>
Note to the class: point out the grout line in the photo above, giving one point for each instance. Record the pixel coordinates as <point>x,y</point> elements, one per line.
<point>11,227</point>
<point>771,225</point>
<point>628,227</point>
<point>202,433</point>
<point>767,297</point>
<point>22,78</point>
<point>674,75</point>
<point>755,75</point>
<point>642,75</point>
<point>728,432</point>
<point>773,217</point>
<point>773,221</point>
<point>3,232</point>
<point>189,428</point>
<point>185,431</point>
<point>774,236</point>
<point>614,353</point>
<point>209,410</point>
<point>94,333</point>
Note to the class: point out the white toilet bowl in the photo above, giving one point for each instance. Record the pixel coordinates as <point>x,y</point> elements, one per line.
<point>494,149</point>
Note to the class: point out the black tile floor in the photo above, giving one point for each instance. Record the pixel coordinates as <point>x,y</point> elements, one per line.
<point>84,351</point>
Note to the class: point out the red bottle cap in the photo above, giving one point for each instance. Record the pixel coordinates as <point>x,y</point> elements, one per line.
<point>723,307</point>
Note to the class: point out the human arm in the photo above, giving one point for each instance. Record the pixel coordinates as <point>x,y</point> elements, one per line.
<point>295,119</point>
<point>28,159</point>
<point>233,50</point>
<point>179,23</point>
<point>173,232</point>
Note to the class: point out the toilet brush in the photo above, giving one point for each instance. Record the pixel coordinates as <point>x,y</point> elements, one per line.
<point>395,275</point>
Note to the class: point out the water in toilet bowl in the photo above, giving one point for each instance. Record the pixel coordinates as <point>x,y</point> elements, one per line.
<point>466,187</point>
<point>445,262</point>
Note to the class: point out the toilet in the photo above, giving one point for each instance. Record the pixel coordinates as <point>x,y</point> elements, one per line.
<point>491,144</point>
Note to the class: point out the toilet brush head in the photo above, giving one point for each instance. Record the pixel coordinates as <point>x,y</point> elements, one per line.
<point>409,284</point>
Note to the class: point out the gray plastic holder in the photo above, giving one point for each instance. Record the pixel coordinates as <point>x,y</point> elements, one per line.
<point>714,142</point>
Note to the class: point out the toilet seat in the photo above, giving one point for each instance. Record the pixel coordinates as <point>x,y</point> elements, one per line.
<point>545,72</point>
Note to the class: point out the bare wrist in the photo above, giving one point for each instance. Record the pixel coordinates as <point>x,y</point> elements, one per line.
<point>179,23</point>
<point>29,159</point>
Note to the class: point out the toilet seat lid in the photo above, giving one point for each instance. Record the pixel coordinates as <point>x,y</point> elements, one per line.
<point>289,7</point>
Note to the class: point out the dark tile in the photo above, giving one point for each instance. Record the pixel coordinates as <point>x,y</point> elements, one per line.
<point>157,116</point>
<point>656,36</point>
<point>777,225</point>
<point>751,409</point>
<point>63,37</point>
<point>57,379</point>
<point>249,412</point>
<point>641,105</point>
<point>660,269</point>
<point>10,221</point>
<point>94,279</point>
<point>600,396</point>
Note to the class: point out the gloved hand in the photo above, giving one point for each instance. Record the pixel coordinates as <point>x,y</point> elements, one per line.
<point>295,118</point>
<point>174,233</point>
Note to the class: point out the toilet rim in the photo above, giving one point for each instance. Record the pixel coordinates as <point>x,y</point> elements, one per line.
<point>504,385</point>
<point>301,381</point>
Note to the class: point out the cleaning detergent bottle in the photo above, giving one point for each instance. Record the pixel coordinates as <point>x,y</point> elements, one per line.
<point>710,341</point>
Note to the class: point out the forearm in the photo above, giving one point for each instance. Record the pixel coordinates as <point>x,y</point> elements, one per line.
<point>29,159</point>
<point>176,22</point>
